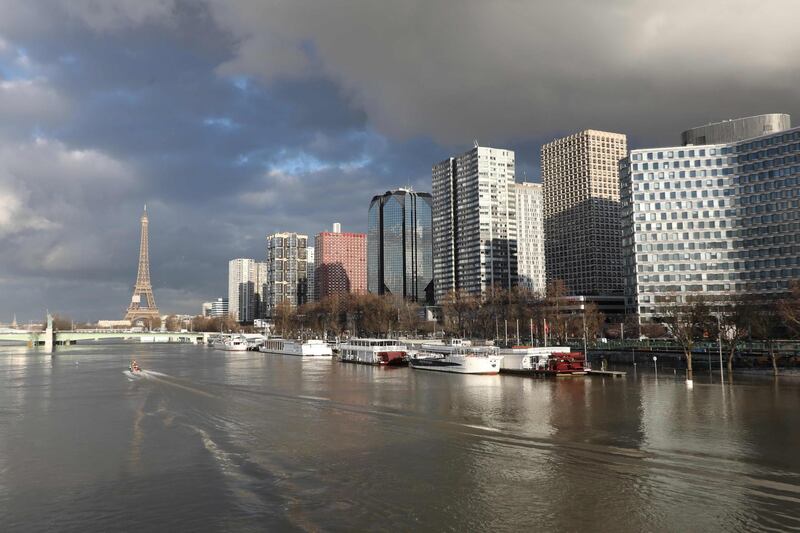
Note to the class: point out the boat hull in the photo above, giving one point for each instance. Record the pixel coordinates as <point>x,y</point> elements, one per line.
<point>293,354</point>
<point>459,365</point>
<point>377,359</point>
<point>542,373</point>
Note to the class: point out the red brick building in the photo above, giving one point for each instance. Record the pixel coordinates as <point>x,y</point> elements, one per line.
<point>340,263</point>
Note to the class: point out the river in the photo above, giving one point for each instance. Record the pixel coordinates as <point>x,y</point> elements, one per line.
<point>210,440</point>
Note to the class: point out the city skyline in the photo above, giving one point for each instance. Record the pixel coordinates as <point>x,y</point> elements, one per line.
<point>104,109</point>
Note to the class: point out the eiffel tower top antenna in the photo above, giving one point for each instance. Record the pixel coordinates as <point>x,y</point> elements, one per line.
<point>142,308</point>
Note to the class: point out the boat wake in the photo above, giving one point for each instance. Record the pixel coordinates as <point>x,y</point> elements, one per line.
<point>133,377</point>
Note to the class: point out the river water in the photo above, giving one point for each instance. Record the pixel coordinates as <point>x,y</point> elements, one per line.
<point>209,440</point>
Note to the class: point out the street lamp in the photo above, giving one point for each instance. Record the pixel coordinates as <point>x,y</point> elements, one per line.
<point>655,365</point>
<point>585,350</point>
<point>719,342</point>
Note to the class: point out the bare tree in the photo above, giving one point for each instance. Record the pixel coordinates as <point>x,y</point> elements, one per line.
<point>631,327</point>
<point>459,306</point>
<point>789,308</point>
<point>765,328</point>
<point>594,320</point>
<point>554,310</point>
<point>172,323</point>
<point>687,323</point>
<point>284,319</point>
<point>408,314</point>
<point>735,318</point>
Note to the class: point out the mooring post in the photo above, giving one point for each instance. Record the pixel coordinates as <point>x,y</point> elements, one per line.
<point>49,335</point>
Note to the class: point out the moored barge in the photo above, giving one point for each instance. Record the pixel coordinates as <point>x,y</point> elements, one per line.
<point>556,361</point>
<point>383,352</point>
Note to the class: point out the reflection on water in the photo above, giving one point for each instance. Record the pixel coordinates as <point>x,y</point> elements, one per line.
<point>213,440</point>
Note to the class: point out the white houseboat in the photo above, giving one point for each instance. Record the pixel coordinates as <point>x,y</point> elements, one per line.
<point>457,356</point>
<point>310,348</point>
<point>373,352</point>
<point>231,343</point>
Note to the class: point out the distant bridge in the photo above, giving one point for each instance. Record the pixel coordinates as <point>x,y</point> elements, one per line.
<point>49,338</point>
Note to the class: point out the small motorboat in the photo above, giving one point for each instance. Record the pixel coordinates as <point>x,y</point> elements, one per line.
<point>134,371</point>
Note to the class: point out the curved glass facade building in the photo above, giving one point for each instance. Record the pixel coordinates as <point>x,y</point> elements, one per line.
<point>400,245</point>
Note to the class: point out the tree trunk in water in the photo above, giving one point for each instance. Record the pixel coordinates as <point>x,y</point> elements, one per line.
<point>730,361</point>
<point>774,362</point>
<point>689,366</point>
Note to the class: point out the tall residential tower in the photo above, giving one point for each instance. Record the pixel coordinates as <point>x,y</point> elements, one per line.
<point>474,222</point>
<point>530,238</point>
<point>287,271</point>
<point>246,282</point>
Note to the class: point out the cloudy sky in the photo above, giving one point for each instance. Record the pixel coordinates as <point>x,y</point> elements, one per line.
<point>233,119</point>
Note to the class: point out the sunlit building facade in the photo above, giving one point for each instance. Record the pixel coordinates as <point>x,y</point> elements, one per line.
<point>400,245</point>
<point>530,237</point>
<point>474,222</point>
<point>580,177</point>
<point>714,220</point>
<point>287,271</point>
<point>340,263</point>
<point>243,289</point>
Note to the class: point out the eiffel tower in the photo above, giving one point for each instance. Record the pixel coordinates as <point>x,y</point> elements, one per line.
<point>143,308</point>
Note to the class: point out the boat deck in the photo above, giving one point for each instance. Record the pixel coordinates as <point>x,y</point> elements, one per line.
<point>612,373</point>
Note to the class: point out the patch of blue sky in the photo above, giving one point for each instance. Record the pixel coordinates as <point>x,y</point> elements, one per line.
<point>357,163</point>
<point>119,94</point>
<point>68,59</point>
<point>223,123</point>
<point>301,163</point>
<point>240,82</point>
<point>17,67</point>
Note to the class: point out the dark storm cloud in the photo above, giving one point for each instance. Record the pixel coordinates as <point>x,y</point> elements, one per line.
<point>233,119</point>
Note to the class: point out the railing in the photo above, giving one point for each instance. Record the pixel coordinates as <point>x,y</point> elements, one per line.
<point>782,346</point>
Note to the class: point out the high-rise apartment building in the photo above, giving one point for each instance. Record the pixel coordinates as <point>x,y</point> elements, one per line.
<point>715,220</point>
<point>311,281</point>
<point>580,179</point>
<point>474,222</point>
<point>242,289</point>
<point>261,285</point>
<point>287,271</point>
<point>340,263</point>
<point>530,237</point>
<point>400,245</point>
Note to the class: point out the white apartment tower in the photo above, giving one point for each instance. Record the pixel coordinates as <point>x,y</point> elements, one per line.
<point>244,289</point>
<point>530,237</point>
<point>311,283</point>
<point>580,177</point>
<point>474,222</point>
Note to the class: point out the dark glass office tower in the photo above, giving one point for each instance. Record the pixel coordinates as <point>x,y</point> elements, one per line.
<point>400,245</point>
